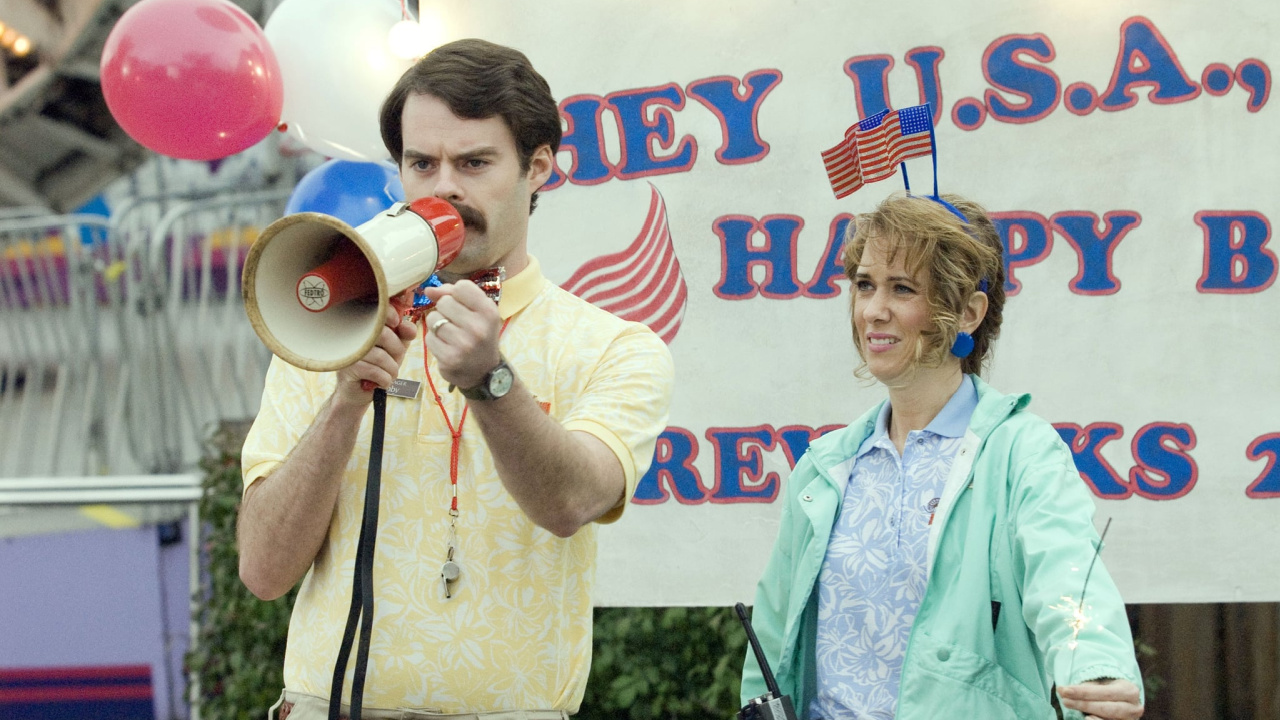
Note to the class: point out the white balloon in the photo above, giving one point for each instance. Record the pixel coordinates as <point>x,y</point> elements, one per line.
<point>337,68</point>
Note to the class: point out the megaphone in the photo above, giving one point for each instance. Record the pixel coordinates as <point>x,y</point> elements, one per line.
<point>316,289</point>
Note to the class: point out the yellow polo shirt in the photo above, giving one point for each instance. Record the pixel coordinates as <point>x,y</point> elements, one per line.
<point>517,632</point>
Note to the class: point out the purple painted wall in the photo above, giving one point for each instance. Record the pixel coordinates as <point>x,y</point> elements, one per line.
<point>99,597</point>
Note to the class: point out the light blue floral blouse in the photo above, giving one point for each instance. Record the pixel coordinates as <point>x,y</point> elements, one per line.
<point>873,576</point>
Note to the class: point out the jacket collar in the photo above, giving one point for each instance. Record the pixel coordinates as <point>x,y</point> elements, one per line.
<point>993,408</point>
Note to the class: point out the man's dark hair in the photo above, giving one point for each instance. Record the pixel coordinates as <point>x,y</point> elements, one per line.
<point>478,79</point>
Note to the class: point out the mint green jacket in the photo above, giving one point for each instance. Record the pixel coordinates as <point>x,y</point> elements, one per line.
<point>1012,535</point>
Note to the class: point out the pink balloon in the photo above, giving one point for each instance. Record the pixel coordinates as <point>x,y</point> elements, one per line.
<point>191,79</point>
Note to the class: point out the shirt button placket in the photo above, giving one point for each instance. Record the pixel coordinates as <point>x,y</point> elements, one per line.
<point>895,515</point>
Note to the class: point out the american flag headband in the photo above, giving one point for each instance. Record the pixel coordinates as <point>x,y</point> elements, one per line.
<point>874,147</point>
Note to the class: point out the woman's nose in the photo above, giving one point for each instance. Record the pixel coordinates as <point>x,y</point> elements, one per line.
<point>876,307</point>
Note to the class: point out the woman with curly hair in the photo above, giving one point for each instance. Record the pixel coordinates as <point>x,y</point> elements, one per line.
<point>927,552</point>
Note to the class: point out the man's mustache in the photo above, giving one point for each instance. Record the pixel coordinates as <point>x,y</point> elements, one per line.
<point>471,217</point>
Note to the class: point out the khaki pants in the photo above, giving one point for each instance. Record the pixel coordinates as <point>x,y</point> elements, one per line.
<point>299,706</point>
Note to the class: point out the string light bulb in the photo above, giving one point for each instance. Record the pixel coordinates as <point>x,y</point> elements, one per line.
<point>410,39</point>
<point>14,41</point>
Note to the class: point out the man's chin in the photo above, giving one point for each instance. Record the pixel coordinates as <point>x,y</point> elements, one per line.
<point>453,273</point>
<point>459,269</point>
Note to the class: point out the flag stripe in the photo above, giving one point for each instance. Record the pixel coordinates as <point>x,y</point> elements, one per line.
<point>656,318</point>
<point>873,147</point>
<point>647,282</point>
<point>612,266</point>
<point>643,283</point>
<point>674,310</point>
<point>628,280</point>
<point>655,299</point>
<point>668,322</point>
<point>842,166</point>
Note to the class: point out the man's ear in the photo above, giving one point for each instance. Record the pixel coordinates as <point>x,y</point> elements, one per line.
<point>974,312</point>
<point>541,163</point>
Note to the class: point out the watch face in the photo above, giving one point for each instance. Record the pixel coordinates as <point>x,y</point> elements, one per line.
<point>500,381</point>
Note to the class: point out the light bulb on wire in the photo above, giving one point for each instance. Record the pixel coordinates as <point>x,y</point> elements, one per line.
<point>410,39</point>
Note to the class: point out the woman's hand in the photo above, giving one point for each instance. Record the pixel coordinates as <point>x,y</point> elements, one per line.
<point>1103,699</point>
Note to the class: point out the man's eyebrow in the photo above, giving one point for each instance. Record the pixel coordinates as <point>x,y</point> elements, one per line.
<point>480,152</point>
<point>487,151</point>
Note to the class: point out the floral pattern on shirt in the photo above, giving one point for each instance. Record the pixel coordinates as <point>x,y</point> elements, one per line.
<point>873,575</point>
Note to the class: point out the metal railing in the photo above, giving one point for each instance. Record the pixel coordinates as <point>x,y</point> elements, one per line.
<point>204,362</point>
<point>124,342</point>
<point>54,368</point>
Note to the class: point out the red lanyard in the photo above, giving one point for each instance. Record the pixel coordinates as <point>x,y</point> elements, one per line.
<point>455,433</point>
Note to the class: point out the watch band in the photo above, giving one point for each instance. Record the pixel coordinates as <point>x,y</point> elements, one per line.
<point>495,384</point>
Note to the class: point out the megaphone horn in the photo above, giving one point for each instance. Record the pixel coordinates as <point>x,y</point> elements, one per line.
<point>316,290</point>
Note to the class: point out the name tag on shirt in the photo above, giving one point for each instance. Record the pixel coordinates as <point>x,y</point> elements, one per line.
<point>407,389</point>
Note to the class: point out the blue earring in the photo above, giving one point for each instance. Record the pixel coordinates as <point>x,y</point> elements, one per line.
<point>963,345</point>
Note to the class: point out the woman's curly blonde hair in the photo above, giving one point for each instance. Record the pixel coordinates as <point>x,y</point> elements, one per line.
<point>955,256</point>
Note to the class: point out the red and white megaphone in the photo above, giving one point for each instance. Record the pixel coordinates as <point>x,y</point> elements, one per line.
<point>316,290</point>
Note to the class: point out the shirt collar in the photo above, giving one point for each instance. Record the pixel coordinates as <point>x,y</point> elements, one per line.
<point>878,436</point>
<point>952,421</point>
<point>520,289</point>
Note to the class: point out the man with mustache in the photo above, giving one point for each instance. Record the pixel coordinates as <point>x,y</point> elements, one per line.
<point>535,419</point>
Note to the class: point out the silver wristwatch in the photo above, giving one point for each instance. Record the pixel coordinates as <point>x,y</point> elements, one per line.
<point>496,383</point>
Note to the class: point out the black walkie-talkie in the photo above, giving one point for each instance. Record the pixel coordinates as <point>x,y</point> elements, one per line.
<point>772,705</point>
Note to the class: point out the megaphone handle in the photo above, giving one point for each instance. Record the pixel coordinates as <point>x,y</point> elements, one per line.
<point>397,302</point>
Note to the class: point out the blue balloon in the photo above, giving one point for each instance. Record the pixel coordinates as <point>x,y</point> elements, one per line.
<point>96,206</point>
<point>353,192</point>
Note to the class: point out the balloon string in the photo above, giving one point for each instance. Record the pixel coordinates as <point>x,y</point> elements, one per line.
<point>404,10</point>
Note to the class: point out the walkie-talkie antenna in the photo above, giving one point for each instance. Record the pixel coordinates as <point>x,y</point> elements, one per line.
<point>769,680</point>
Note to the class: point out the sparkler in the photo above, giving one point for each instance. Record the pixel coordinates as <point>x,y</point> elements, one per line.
<point>1078,617</point>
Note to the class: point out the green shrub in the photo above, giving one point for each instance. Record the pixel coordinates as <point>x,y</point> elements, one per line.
<point>669,663</point>
<point>238,661</point>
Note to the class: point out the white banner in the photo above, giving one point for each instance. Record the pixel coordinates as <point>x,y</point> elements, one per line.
<point>1128,151</point>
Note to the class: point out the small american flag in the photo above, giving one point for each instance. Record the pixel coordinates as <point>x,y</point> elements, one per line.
<point>642,283</point>
<point>873,147</point>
